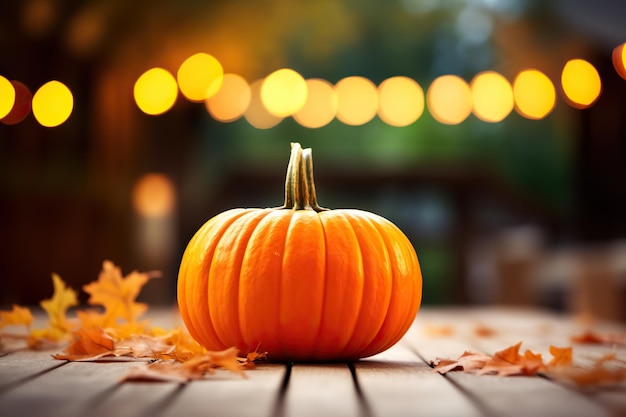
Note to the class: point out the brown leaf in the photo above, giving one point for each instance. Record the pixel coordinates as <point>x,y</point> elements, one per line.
<point>195,368</point>
<point>143,346</point>
<point>484,331</point>
<point>590,337</point>
<point>468,362</point>
<point>89,345</point>
<point>164,372</point>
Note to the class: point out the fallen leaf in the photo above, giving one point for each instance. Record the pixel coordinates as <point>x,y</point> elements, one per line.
<point>16,316</point>
<point>606,371</point>
<point>469,361</point>
<point>56,307</point>
<point>163,372</point>
<point>510,362</point>
<point>181,372</point>
<point>58,328</point>
<point>143,346</point>
<point>117,294</point>
<point>590,337</point>
<point>484,331</point>
<point>88,345</point>
<point>560,356</point>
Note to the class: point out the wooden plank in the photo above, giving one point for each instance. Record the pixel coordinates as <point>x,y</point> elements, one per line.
<point>73,389</point>
<point>18,367</point>
<point>225,395</point>
<point>503,396</point>
<point>321,390</point>
<point>398,383</point>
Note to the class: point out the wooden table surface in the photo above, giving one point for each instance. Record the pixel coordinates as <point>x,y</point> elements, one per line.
<point>398,382</point>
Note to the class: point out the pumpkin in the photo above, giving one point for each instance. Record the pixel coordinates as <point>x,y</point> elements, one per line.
<point>300,282</point>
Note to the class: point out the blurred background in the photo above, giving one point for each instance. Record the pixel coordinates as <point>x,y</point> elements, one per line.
<point>492,132</point>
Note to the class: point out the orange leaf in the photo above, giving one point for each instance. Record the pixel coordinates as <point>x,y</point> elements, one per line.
<point>561,356</point>
<point>194,368</point>
<point>117,294</point>
<point>226,358</point>
<point>15,317</point>
<point>590,337</point>
<point>89,345</point>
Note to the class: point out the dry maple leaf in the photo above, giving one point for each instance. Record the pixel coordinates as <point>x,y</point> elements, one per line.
<point>117,294</point>
<point>606,371</point>
<point>195,368</point>
<point>16,316</point>
<point>484,331</point>
<point>509,362</point>
<point>144,346</point>
<point>505,362</point>
<point>56,308</point>
<point>469,361</point>
<point>590,337</point>
<point>560,356</point>
<point>89,345</point>
<point>163,372</point>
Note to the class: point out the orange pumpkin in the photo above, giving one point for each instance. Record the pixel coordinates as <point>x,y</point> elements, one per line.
<point>300,282</point>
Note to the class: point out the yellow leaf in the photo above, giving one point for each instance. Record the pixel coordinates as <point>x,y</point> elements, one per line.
<point>117,294</point>
<point>15,317</point>
<point>56,307</point>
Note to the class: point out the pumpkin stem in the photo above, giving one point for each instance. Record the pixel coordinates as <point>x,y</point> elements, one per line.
<point>299,184</point>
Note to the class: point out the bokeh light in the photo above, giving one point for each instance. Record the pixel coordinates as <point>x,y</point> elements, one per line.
<point>449,99</point>
<point>320,107</point>
<point>7,96</point>
<point>357,100</point>
<point>492,96</point>
<point>619,60</point>
<point>283,92</point>
<point>581,83</point>
<point>535,95</point>
<point>256,114</point>
<point>401,101</point>
<point>21,106</point>
<point>154,195</point>
<point>52,104</point>
<point>200,77</point>
<point>231,100</point>
<point>155,91</point>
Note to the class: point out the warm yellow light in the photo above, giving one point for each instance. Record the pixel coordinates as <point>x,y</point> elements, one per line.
<point>320,106</point>
<point>401,101</point>
<point>492,96</point>
<point>357,100</point>
<point>155,91</point>
<point>449,99</point>
<point>7,96</point>
<point>581,83</point>
<point>154,195</point>
<point>52,104</point>
<point>256,114</point>
<point>283,92</point>
<point>232,99</point>
<point>200,77</point>
<point>21,104</point>
<point>534,94</point>
<point>619,60</point>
